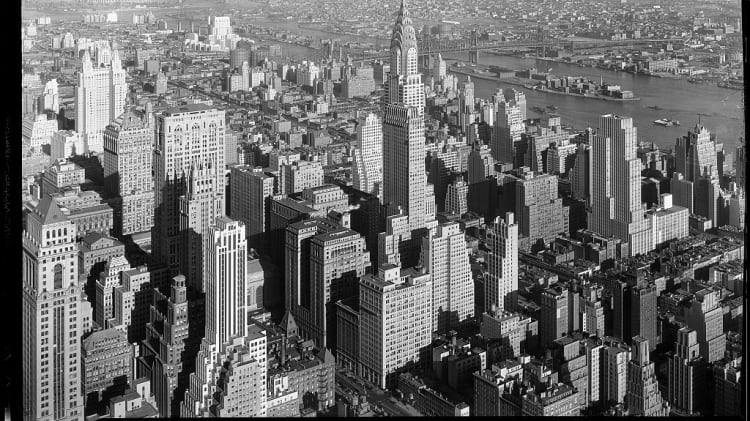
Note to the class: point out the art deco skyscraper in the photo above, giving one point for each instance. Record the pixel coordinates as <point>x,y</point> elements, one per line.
<point>404,174</point>
<point>188,138</point>
<point>643,396</point>
<point>100,98</point>
<point>501,285</point>
<point>686,373</point>
<point>695,155</point>
<point>226,257</point>
<point>53,316</point>
<point>128,152</point>
<point>230,369</point>
<point>616,208</point>
<point>367,171</point>
<point>446,257</point>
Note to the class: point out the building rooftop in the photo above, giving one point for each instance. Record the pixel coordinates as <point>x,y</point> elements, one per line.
<point>188,108</point>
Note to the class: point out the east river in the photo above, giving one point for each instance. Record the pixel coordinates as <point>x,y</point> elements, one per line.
<point>721,109</point>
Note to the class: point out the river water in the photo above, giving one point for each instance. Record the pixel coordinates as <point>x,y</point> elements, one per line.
<point>722,109</point>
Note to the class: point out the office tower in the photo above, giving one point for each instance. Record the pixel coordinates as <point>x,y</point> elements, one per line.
<point>323,262</point>
<point>729,391</point>
<point>456,197</point>
<point>517,333</point>
<point>705,316</point>
<point>553,318</point>
<point>580,176</point>
<point>230,379</point>
<point>592,310</point>
<point>643,313</point>
<point>161,353</point>
<point>65,144</point>
<point>127,173</point>
<point>231,362</point>
<point>740,160</point>
<point>300,175</point>
<point>395,321</point>
<point>737,209</point>
<point>616,208</point>
<point>594,356</point>
<point>466,105</point>
<point>501,281</point>
<point>615,375</point>
<point>219,26</point>
<point>695,155</point>
<point>53,316</point>
<point>251,190</point>
<point>238,55</point>
<point>367,168</point>
<point>105,284</point>
<point>541,214</point>
<point>686,374</point>
<point>200,206</point>
<point>707,193</point>
<point>50,99</point>
<point>446,257</point>
<point>548,132</point>
<point>38,131</point>
<point>507,132</point>
<point>404,178</point>
<point>131,302</point>
<point>188,139</point>
<point>107,360</point>
<point>682,191</point>
<point>667,222</point>
<point>438,68</point>
<point>480,163</point>
<point>643,397</point>
<point>225,275</point>
<point>100,98</point>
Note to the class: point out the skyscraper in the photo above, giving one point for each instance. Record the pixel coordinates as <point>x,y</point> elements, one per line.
<point>695,155</point>
<point>225,260</point>
<point>100,98</point>
<point>404,176</point>
<point>686,373</point>
<point>507,132</point>
<point>251,190</point>
<point>323,262</point>
<point>394,323</point>
<point>553,323</point>
<point>501,283</point>
<point>230,368</point>
<point>446,257</point>
<point>616,208</point>
<point>188,138</point>
<point>540,211</point>
<point>643,396</point>
<point>127,172</point>
<point>53,316</point>
<point>367,169</point>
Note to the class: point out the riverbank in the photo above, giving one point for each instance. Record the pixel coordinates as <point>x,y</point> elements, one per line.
<point>522,82</point>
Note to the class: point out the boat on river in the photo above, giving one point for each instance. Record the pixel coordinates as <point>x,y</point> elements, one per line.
<point>666,122</point>
<point>539,110</point>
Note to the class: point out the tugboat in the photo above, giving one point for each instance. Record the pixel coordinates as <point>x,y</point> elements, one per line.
<point>654,107</point>
<point>552,107</point>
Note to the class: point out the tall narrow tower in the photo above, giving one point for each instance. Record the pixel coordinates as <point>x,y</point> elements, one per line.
<point>187,138</point>
<point>404,175</point>
<point>502,283</point>
<point>616,208</point>
<point>52,316</point>
<point>100,98</point>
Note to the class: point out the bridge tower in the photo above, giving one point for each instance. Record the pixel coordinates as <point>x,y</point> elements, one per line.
<point>540,38</point>
<point>425,53</point>
<point>473,49</point>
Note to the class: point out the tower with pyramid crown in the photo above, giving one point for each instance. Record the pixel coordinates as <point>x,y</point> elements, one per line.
<point>55,316</point>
